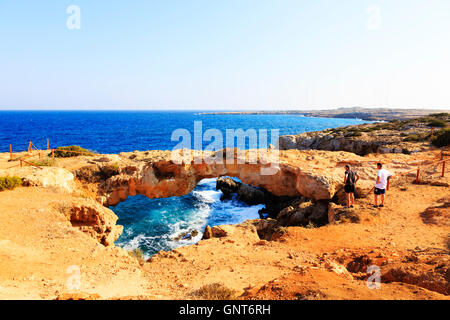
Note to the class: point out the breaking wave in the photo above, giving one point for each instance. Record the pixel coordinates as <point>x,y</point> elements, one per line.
<point>153,225</point>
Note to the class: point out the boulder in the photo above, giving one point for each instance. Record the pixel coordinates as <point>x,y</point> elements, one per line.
<point>227,185</point>
<point>248,194</point>
<point>243,232</point>
<point>50,177</point>
<point>207,234</point>
<point>251,195</point>
<point>338,214</point>
<point>303,213</point>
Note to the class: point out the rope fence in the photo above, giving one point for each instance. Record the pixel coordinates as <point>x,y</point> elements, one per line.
<point>425,172</point>
<point>25,159</point>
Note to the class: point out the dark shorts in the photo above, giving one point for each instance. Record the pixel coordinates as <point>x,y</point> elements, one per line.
<point>379,191</point>
<point>349,188</point>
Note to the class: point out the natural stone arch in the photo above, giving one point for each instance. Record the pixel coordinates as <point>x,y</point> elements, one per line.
<point>163,179</point>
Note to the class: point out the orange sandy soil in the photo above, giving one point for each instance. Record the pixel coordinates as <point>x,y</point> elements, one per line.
<point>38,244</point>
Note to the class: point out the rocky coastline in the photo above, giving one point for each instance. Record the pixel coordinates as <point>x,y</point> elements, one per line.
<point>303,219</point>
<point>369,114</point>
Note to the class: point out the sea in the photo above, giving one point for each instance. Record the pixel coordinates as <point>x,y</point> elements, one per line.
<point>152,225</point>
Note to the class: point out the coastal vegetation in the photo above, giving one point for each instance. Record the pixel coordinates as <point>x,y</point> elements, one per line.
<point>72,151</point>
<point>46,162</point>
<point>9,183</point>
<point>214,291</point>
<point>442,138</point>
<point>138,254</point>
<point>438,120</point>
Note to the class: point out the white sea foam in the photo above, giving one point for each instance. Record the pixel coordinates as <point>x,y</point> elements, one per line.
<point>208,196</point>
<point>134,243</point>
<point>207,209</point>
<point>211,181</point>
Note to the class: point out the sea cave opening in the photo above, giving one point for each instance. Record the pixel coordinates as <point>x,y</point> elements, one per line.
<point>152,225</point>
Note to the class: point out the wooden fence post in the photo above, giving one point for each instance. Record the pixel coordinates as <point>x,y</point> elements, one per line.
<point>29,147</point>
<point>21,164</point>
<point>417,175</point>
<point>10,152</point>
<point>443,169</point>
<point>48,145</point>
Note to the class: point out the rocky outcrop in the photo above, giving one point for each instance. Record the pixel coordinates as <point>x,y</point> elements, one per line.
<point>94,219</point>
<point>243,232</point>
<point>338,214</point>
<point>248,194</point>
<point>228,186</point>
<point>304,213</point>
<point>160,177</point>
<point>50,177</point>
<point>362,145</point>
<point>361,140</point>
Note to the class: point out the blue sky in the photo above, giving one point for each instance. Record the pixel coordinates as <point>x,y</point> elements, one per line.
<point>227,54</point>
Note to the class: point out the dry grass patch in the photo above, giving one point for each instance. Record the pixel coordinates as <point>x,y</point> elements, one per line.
<point>9,183</point>
<point>138,254</point>
<point>214,291</point>
<point>46,162</point>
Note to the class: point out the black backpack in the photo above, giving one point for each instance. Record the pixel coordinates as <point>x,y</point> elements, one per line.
<point>351,177</point>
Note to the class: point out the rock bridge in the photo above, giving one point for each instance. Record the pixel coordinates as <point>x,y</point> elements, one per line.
<point>308,174</point>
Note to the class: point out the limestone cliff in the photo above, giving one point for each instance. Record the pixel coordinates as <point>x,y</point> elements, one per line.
<point>408,136</point>
<point>314,175</point>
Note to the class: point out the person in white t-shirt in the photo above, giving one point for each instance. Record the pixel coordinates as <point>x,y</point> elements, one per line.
<point>382,184</point>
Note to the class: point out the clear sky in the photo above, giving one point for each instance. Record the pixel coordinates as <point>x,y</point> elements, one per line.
<point>225,54</point>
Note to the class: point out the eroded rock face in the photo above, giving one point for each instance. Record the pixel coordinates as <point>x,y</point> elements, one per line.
<point>164,178</point>
<point>378,142</point>
<point>94,219</point>
<point>312,174</point>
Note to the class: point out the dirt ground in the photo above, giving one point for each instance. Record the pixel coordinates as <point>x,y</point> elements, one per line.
<point>408,240</point>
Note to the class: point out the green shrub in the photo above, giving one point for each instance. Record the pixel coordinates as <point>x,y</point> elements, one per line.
<point>72,151</point>
<point>370,129</point>
<point>416,137</point>
<point>440,115</point>
<point>442,138</point>
<point>437,123</point>
<point>353,133</point>
<point>9,183</point>
<point>109,170</point>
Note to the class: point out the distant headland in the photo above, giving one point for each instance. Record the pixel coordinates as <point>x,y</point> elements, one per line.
<point>368,114</point>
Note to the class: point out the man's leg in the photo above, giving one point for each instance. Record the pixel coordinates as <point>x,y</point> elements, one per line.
<point>382,199</point>
<point>376,200</point>
<point>348,199</point>
<point>352,199</point>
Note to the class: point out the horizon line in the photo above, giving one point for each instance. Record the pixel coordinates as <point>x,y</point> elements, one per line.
<point>215,110</point>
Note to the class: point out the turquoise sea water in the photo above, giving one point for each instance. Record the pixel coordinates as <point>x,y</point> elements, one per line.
<point>151,225</point>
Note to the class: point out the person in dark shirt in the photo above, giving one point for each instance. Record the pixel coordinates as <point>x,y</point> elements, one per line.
<point>350,180</point>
